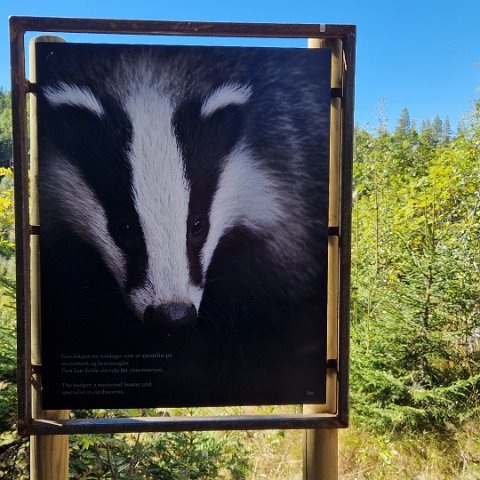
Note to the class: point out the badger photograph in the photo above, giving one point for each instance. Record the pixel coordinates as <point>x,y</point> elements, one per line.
<point>183,197</point>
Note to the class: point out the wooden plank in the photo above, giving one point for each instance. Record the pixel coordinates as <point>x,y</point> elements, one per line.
<point>333,220</point>
<point>320,452</point>
<point>152,27</point>
<point>49,457</point>
<point>320,448</point>
<point>48,454</point>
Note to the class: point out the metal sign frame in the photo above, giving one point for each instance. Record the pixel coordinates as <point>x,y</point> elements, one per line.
<point>334,414</point>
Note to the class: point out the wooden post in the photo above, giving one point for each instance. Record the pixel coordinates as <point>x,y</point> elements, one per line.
<point>320,454</point>
<point>48,453</point>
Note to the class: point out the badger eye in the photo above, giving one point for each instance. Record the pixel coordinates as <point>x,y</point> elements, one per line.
<point>127,234</point>
<point>197,227</point>
<point>125,228</point>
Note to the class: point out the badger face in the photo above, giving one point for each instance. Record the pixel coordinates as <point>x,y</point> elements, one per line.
<point>153,184</point>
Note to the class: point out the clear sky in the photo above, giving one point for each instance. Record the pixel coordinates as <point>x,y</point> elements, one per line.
<point>419,54</point>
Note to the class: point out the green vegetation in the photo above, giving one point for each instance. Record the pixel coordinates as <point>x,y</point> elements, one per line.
<point>12,449</point>
<point>170,456</point>
<point>5,129</point>
<point>416,277</point>
<point>416,303</point>
<point>415,366</point>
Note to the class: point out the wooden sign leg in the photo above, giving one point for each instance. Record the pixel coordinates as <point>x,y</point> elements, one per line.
<point>320,446</point>
<point>49,453</point>
<point>320,454</point>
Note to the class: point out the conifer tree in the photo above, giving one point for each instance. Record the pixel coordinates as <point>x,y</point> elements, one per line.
<point>403,125</point>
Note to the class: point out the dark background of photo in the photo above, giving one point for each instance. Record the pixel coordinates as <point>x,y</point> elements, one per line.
<point>251,356</point>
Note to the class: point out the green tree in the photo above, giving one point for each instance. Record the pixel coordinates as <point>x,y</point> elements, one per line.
<point>415,360</point>
<point>403,124</point>
<point>447,131</point>
<point>5,129</point>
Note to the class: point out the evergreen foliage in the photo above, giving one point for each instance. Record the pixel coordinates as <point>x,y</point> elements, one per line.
<point>5,129</point>
<point>416,276</point>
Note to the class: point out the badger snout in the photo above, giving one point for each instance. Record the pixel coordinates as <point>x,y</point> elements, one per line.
<point>170,315</point>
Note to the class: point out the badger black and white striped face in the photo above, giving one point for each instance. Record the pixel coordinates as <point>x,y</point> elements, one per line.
<point>153,184</point>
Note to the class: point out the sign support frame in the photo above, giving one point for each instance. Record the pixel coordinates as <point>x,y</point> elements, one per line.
<point>29,423</point>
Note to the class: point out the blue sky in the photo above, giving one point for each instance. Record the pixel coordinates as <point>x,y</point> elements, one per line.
<point>420,54</point>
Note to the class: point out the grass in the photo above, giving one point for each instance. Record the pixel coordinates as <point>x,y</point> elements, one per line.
<point>363,454</point>
<point>274,454</point>
<point>422,456</point>
<point>277,455</point>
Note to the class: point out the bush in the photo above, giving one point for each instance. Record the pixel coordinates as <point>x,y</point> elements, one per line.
<point>168,456</point>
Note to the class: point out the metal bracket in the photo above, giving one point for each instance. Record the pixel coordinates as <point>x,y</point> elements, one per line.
<point>30,87</point>
<point>36,369</point>
<point>337,92</point>
<point>332,363</point>
<point>34,230</point>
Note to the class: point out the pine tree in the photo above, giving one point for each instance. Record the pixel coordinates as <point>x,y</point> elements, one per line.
<point>403,125</point>
<point>437,128</point>
<point>447,131</point>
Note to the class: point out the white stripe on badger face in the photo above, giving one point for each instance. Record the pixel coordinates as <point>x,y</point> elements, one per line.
<point>161,195</point>
<point>228,94</point>
<point>246,196</point>
<point>82,211</point>
<point>74,96</point>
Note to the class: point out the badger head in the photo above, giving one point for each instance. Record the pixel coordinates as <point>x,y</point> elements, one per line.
<point>153,183</point>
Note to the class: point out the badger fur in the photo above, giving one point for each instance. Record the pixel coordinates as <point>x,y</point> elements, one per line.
<point>183,203</point>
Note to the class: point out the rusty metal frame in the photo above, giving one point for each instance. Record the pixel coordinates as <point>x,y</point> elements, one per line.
<point>27,425</point>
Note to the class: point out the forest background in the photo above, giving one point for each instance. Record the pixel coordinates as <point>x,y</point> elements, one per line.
<point>415,360</point>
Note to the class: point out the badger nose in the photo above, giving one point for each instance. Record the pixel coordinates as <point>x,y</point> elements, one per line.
<point>170,315</point>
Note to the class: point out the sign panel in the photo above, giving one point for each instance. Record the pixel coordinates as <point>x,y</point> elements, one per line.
<point>183,195</point>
